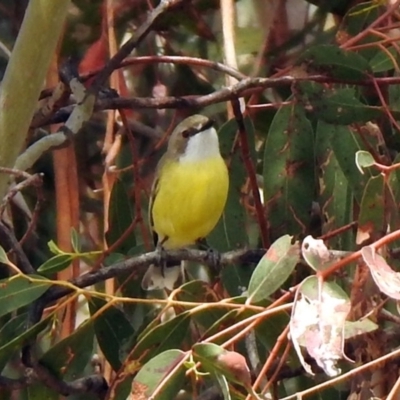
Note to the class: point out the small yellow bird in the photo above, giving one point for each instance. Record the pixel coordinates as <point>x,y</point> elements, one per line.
<point>188,195</point>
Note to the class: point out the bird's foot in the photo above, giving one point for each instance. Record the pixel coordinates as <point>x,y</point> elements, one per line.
<point>161,257</point>
<point>213,259</point>
<point>202,244</point>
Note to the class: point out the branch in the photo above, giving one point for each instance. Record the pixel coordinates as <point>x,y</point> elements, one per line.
<point>10,242</point>
<point>35,371</point>
<point>82,111</point>
<point>93,384</point>
<point>243,88</point>
<point>139,263</point>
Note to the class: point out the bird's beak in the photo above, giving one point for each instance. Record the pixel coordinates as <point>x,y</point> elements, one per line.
<point>194,130</point>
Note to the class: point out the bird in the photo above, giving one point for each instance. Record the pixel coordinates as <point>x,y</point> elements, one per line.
<point>188,195</point>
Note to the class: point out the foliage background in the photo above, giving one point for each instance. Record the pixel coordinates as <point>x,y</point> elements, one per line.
<point>318,81</point>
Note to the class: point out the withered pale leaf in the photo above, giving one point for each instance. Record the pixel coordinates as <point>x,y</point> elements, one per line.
<point>318,325</point>
<point>387,280</point>
<point>317,255</point>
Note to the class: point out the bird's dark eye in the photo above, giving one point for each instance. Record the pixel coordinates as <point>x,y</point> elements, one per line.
<point>186,133</point>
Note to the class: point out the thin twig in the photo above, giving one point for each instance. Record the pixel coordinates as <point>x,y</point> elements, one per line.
<point>163,7</point>
<point>8,240</point>
<point>251,173</point>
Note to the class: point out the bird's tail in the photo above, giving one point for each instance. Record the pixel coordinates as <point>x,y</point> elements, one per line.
<point>157,277</point>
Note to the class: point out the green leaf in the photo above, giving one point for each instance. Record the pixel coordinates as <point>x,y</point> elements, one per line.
<point>335,197</point>
<point>364,159</point>
<point>129,285</point>
<point>120,218</point>
<point>345,144</point>
<point>230,232</point>
<point>154,340</point>
<point>371,219</point>
<point>158,338</point>
<point>54,248</point>
<point>55,264</point>
<point>38,391</point>
<point>200,292</point>
<point>310,289</point>
<point>161,370</point>
<point>235,278</point>
<point>75,241</point>
<point>3,256</point>
<point>229,318</point>
<point>335,105</point>
<point>394,98</point>
<point>269,330</point>
<point>112,330</point>
<point>216,360</point>
<point>273,269</point>
<point>19,291</point>
<point>14,333</point>
<point>382,61</point>
<point>336,62</point>
<point>223,384</point>
<point>69,358</point>
<point>355,328</point>
<point>361,15</point>
<point>358,19</point>
<point>13,328</point>
<point>289,172</point>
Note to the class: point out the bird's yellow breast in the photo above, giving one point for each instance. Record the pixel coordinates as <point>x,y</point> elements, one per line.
<point>189,201</point>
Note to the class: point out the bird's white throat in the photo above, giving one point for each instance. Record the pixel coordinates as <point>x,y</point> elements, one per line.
<point>201,146</point>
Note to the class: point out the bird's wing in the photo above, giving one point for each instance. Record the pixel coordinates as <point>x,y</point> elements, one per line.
<point>153,194</point>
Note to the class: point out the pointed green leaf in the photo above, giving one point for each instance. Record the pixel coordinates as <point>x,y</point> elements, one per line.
<point>158,371</point>
<point>310,288</point>
<point>200,292</point>
<point>158,338</point>
<point>55,264</point>
<point>75,241</point>
<point>19,291</point>
<point>384,60</point>
<point>334,61</point>
<point>3,256</point>
<point>223,385</point>
<point>230,231</point>
<point>364,159</point>
<point>14,334</point>
<point>217,360</point>
<point>273,269</point>
<point>394,98</point>
<point>357,19</point>
<point>345,144</point>
<point>112,330</point>
<point>289,172</point>
<point>371,220</point>
<point>355,328</point>
<point>54,248</point>
<point>69,358</point>
<point>335,197</point>
<point>336,105</point>
<point>228,319</point>
<point>120,217</point>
